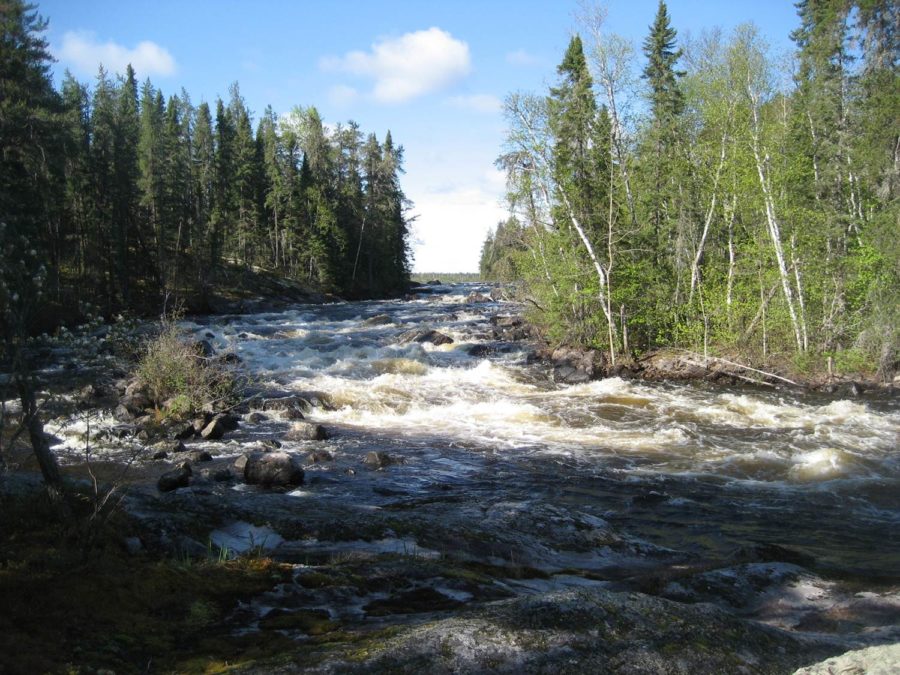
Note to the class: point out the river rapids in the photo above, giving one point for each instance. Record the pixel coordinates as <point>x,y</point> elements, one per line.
<point>589,483</point>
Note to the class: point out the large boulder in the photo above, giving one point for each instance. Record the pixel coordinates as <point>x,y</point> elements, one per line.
<point>273,468</point>
<point>880,660</point>
<point>177,478</point>
<point>573,365</point>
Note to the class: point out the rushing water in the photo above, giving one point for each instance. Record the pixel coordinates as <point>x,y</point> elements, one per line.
<point>691,468</point>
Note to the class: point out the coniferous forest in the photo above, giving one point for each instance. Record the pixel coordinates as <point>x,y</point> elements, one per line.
<point>706,194</point>
<point>115,194</point>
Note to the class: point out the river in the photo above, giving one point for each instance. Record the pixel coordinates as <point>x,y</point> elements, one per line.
<point>588,483</point>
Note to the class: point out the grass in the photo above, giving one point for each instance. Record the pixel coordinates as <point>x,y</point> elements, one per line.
<point>68,609</point>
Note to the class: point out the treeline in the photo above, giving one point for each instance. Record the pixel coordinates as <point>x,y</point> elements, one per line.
<point>750,207</point>
<point>119,195</point>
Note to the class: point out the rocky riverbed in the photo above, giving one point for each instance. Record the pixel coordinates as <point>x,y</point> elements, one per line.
<point>443,500</point>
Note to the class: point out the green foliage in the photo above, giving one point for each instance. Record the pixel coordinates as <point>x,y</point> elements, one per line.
<point>761,213</point>
<point>179,379</point>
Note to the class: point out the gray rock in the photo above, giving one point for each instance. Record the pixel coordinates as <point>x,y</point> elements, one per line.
<point>378,320</point>
<point>177,478</point>
<point>255,417</point>
<point>241,462</point>
<point>474,297</point>
<point>376,459</point>
<point>169,447</point>
<point>881,660</point>
<point>219,426</point>
<point>573,365</point>
<point>424,335</point>
<point>197,456</point>
<point>273,468</point>
<point>306,431</point>
<point>319,456</point>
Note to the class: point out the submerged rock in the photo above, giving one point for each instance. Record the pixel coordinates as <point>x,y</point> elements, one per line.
<point>177,478</point>
<point>424,335</point>
<point>378,320</point>
<point>319,456</point>
<point>273,468</point>
<point>377,459</point>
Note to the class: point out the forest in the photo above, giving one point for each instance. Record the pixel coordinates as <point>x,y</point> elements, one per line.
<point>115,196</point>
<point>707,195</point>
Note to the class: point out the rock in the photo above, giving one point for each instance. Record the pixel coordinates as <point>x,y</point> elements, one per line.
<point>572,365</point>
<point>169,447</point>
<point>319,456</point>
<point>273,468</point>
<point>291,406</point>
<point>587,631</point>
<point>197,456</point>
<point>88,395</point>
<point>219,426</point>
<point>187,431</point>
<point>133,545</point>
<point>306,431</point>
<point>376,459</point>
<point>881,660</point>
<point>204,348</point>
<point>433,282</point>
<point>499,294</point>
<point>137,398</point>
<point>122,413</point>
<point>480,350</point>
<point>255,417</point>
<point>222,475</point>
<point>378,320</point>
<point>160,454</point>
<point>270,444</point>
<point>412,602</point>
<point>293,413</point>
<point>177,478</point>
<point>241,462</point>
<point>230,358</point>
<point>474,297</point>
<point>424,335</point>
<point>506,321</point>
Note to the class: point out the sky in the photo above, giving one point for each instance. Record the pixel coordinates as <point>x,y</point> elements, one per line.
<point>434,74</point>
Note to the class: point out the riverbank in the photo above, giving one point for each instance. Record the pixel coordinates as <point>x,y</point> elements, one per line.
<point>463,511</point>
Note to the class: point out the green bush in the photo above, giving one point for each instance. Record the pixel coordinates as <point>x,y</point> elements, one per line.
<point>179,380</point>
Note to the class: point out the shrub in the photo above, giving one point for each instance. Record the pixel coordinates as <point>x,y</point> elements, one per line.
<point>179,380</point>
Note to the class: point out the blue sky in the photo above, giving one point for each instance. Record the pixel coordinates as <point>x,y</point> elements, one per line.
<point>432,73</point>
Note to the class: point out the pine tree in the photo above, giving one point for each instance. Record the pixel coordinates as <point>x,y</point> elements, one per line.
<point>573,114</point>
<point>666,104</point>
<point>30,181</point>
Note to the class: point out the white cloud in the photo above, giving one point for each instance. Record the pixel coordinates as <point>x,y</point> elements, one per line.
<point>452,226</point>
<point>485,103</point>
<point>85,53</point>
<point>408,66</point>
<point>521,58</point>
<point>341,95</point>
